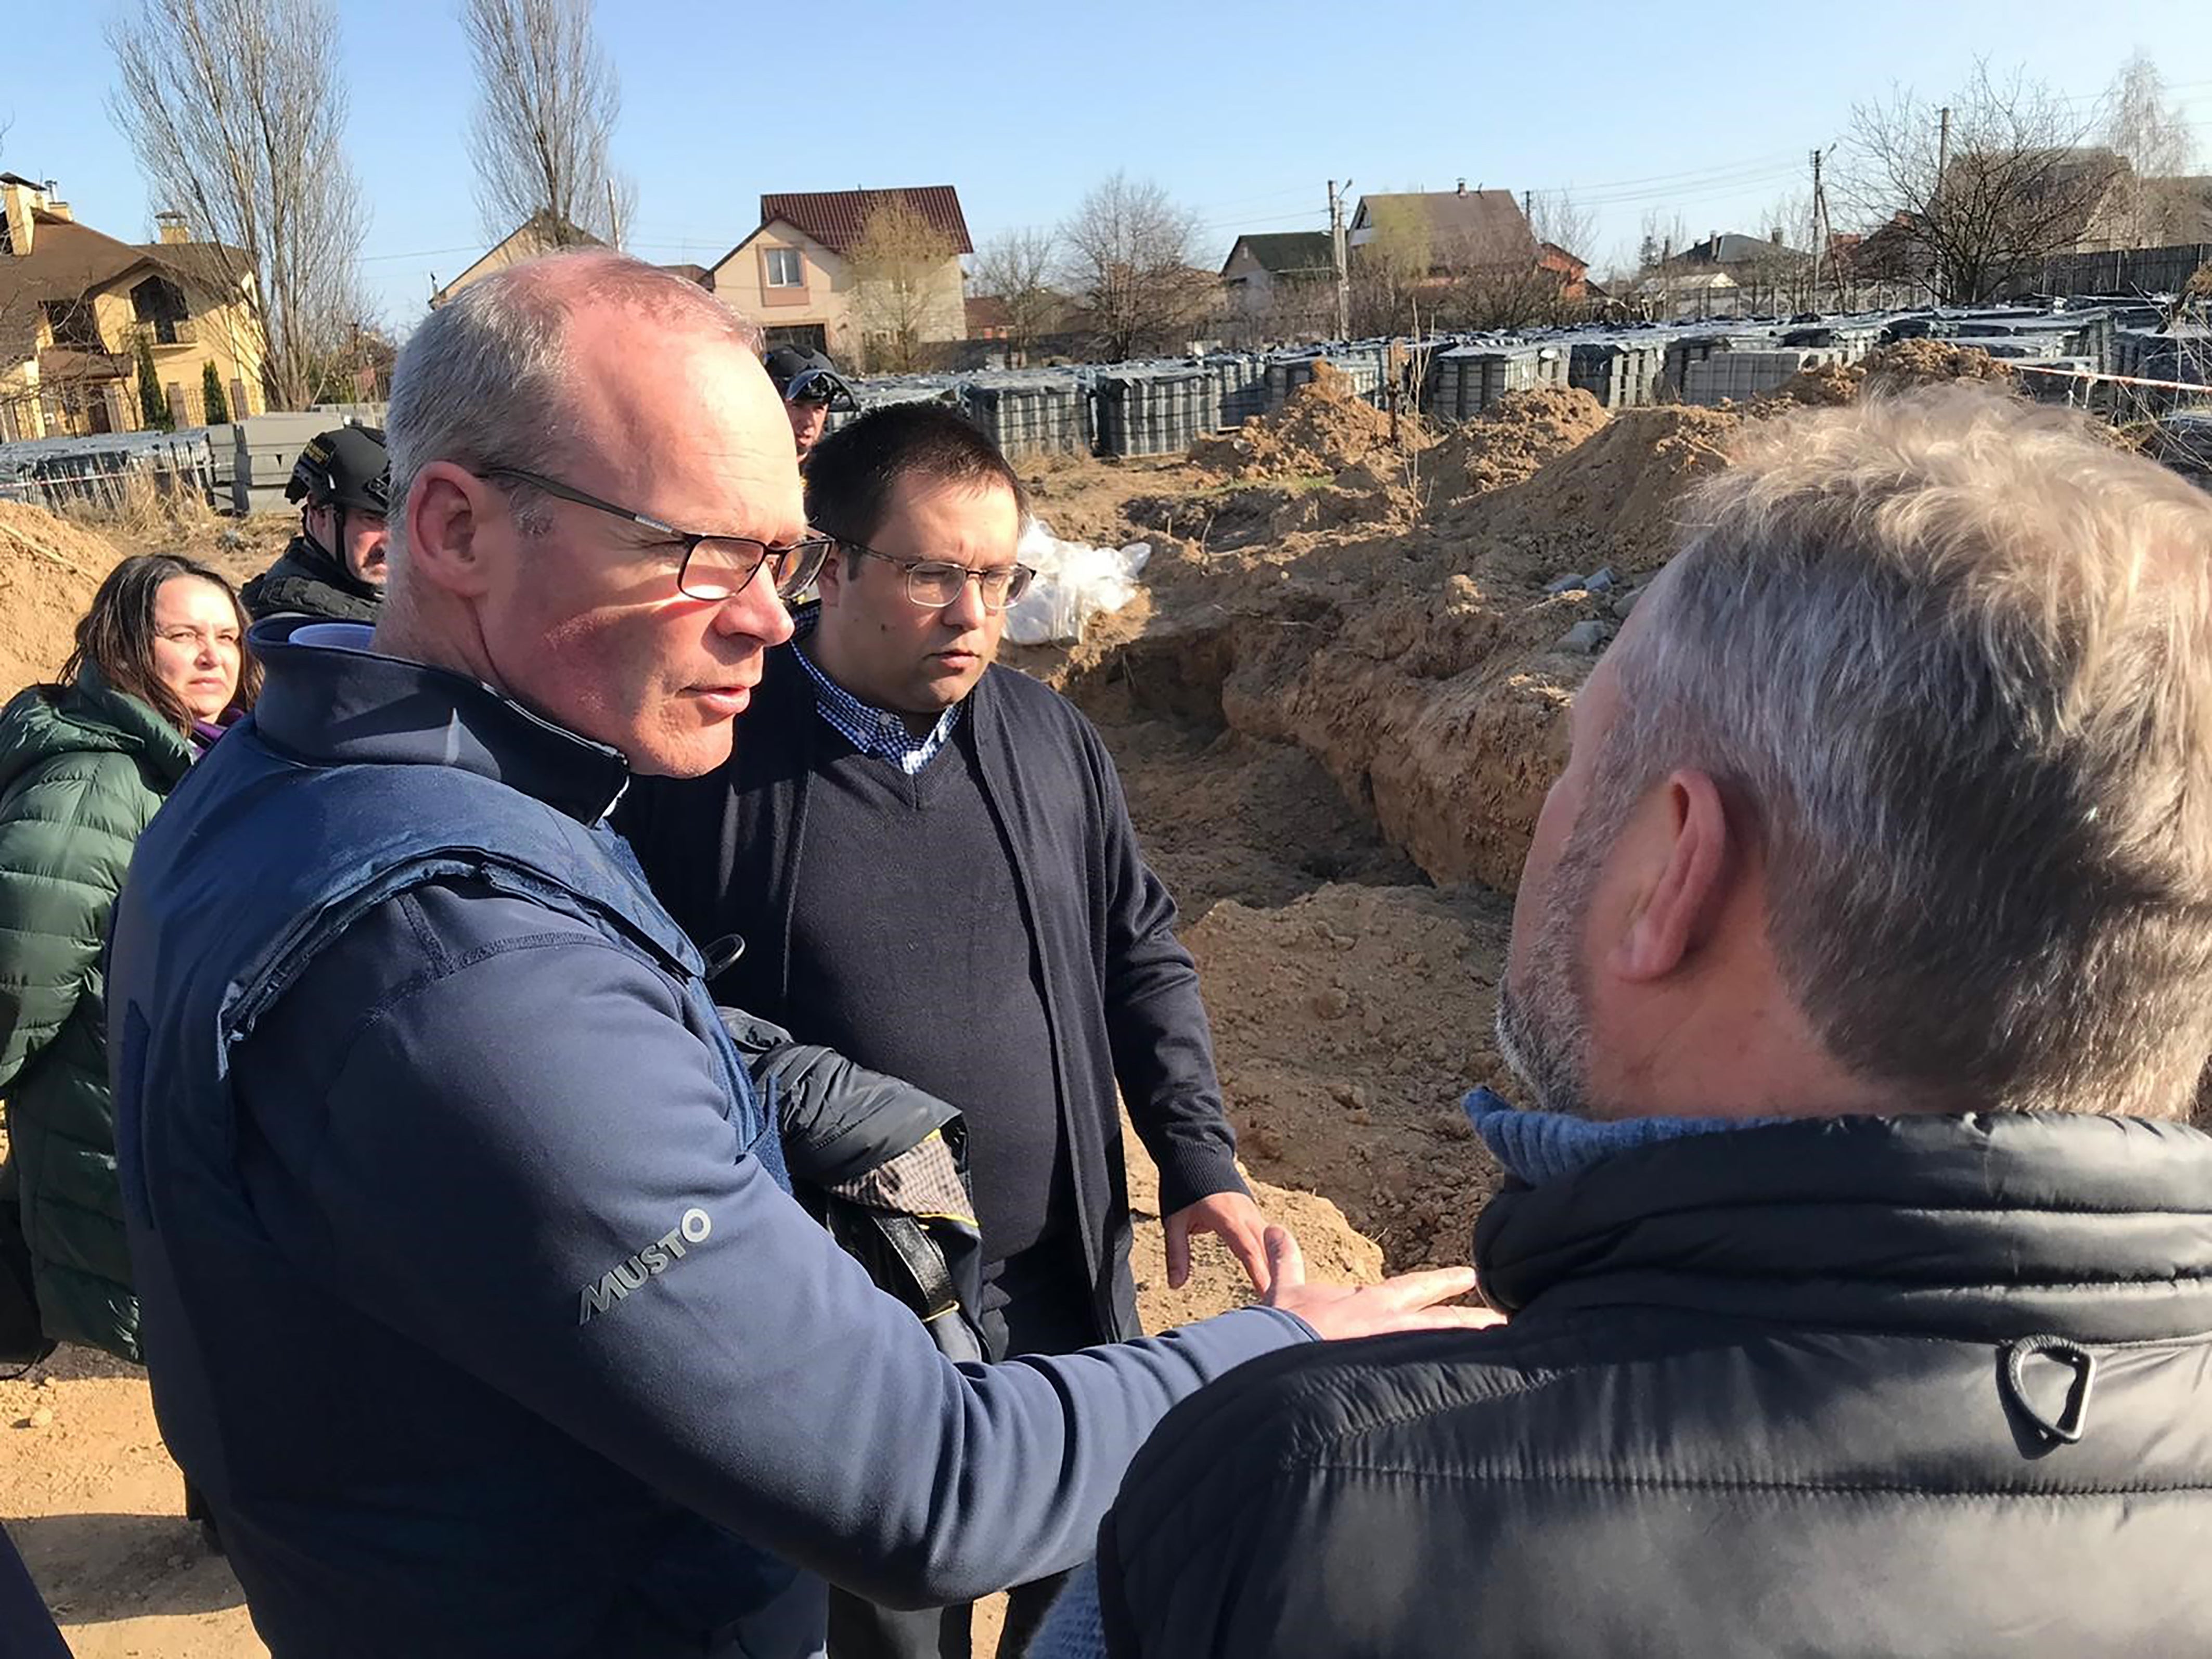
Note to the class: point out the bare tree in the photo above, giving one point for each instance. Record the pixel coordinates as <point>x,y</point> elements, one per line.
<point>2153,139</point>
<point>1018,266</point>
<point>1394,268</point>
<point>1661,238</point>
<point>906,287</point>
<point>547,101</point>
<point>236,111</point>
<point>2015,184</point>
<point>1501,296</point>
<point>1129,258</point>
<point>1555,217</point>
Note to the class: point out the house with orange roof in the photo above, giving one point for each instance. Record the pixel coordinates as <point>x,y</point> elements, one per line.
<point>800,274</point>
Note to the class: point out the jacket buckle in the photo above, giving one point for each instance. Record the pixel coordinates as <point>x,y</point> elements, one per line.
<point>2067,1426</point>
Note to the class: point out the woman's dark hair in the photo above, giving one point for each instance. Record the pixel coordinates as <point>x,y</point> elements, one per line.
<point>116,635</point>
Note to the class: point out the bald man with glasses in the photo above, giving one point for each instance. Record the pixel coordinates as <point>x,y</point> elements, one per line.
<point>477,1298</point>
<point>931,865</point>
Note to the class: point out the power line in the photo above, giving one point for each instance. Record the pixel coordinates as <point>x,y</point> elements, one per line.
<point>424,253</point>
<point>1253,201</point>
<point>1246,224</point>
<point>1725,184</point>
<point>1686,176</point>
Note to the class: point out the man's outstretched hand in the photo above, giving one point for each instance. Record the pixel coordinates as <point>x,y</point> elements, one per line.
<point>1232,1216</point>
<point>1408,1302</point>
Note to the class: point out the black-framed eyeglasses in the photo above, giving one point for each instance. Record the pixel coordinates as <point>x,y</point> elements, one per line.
<point>933,583</point>
<point>711,566</point>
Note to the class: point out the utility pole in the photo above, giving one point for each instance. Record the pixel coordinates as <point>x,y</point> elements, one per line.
<point>1337,255</point>
<point>614,216</point>
<point>1820,228</point>
<point>1935,197</point>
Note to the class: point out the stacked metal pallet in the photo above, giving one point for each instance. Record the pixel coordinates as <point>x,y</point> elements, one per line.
<point>1849,340</point>
<point>1466,380</point>
<point>1025,412</point>
<point>264,450</point>
<point>1241,377</point>
<point>1739,376</point>
<point>895,389</point>
<point>1153,411</point>
<point>1286,373</point>
<point>1620,373</point>
<point>1695,345</point>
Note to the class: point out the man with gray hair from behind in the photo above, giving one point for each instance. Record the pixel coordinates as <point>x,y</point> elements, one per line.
<point>476,1301</point>
<point>1858,1256</point>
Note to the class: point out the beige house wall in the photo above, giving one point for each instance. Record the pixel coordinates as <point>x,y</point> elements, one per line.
<point>224,335</point>
<point>824,299</point>
<point>944,313</point>
<point>528,242</point>
<point>59,406</point>
<point>830,297</point>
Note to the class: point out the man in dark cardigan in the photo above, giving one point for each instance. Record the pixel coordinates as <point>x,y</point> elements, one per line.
<point>926,861</point>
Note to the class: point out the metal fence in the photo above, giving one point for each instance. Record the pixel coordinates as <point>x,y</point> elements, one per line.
<point>111,473</point>
<point>2120,270</point>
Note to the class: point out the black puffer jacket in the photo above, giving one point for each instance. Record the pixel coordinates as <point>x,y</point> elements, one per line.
<point>1773,1391</point>
<point>306,581</point>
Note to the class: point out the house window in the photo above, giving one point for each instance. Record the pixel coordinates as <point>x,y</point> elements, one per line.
<point>807,336</point>
<point>74,324</point>
<point>786,268</point>
<point>159,305</point>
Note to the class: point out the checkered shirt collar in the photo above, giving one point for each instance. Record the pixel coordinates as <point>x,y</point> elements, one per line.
<point>874,731</point>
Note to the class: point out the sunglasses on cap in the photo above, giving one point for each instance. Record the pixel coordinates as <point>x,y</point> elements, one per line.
<point>819,385</point>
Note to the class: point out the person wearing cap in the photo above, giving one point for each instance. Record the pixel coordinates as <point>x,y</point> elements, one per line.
<point>810,387</point>
<point>334,569</point>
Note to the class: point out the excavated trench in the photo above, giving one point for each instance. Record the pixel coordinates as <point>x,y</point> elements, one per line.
<point>1352,999</point>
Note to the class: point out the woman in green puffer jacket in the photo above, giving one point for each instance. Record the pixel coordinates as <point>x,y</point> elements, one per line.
<point>160,668</point>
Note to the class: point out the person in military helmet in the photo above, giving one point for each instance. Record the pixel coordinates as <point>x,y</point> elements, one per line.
<point>810,387</point>
<point>334,569</point>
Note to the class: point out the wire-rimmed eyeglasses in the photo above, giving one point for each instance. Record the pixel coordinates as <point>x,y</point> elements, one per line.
<point>712,566</point>
<point>933,583</point>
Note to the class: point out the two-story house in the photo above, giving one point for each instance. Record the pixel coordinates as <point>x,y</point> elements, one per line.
<point>800,274</point>
<point>75,305</point>
<point>541,234</point>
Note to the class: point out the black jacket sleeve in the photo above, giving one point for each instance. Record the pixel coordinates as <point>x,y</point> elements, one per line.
<point>1155,1019</point>
<point>839,1119</point>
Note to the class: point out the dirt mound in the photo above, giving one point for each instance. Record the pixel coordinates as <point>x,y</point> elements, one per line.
<point>1326,427</point>
<point>1222,815</point>
<point>1509,442</point>
<point>1422,658</point>
<point>49,568</point>
<point>1612,499</point>
<point>1333,1248</point>
<point>1898,366</point>
<point>1821,386</point>
<point>1929,362</point>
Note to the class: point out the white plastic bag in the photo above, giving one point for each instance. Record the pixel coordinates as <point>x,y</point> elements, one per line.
<point>1072,582</point>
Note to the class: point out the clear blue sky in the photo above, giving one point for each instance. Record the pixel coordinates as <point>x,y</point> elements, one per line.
<point>1240,109</point>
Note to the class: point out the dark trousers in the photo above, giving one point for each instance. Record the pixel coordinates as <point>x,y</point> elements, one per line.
<point>1035,1302</point>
